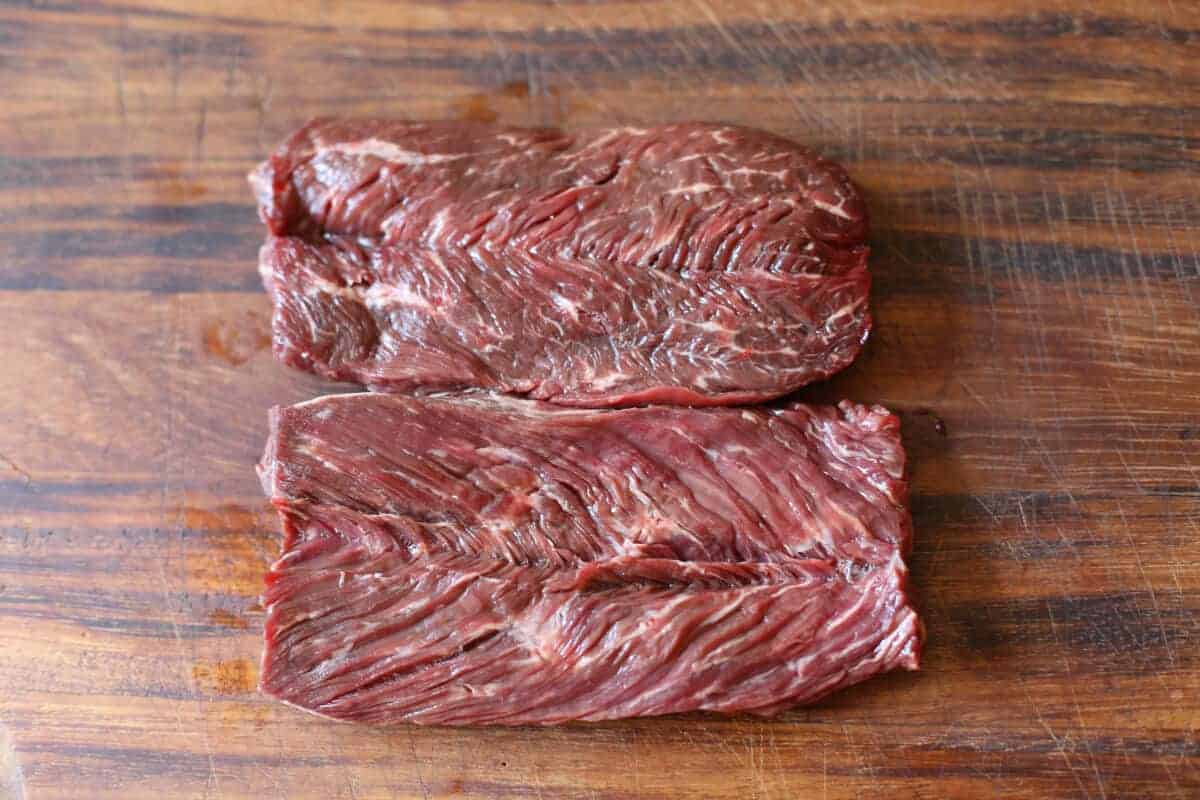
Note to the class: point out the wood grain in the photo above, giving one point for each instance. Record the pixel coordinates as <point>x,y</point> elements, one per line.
<point>1032,171</point>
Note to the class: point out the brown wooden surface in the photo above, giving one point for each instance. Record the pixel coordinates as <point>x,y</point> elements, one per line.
<point>1033,172</point>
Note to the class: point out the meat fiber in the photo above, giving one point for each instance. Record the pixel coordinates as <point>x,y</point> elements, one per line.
<point>483,560</point>
<point>690,264</point>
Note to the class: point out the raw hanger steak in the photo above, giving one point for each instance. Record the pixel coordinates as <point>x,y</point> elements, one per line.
<point>482,560</point>
<point>686,264</point>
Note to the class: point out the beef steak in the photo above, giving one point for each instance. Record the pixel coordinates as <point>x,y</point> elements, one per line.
<point>487,560</point>
<point>690,264</point>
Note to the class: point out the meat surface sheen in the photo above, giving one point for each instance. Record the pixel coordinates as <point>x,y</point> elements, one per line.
<point>487,560</point>
<point>686,264</point>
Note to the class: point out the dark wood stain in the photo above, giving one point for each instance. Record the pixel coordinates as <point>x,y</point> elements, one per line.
<point>939,424</point>
<point>238,676</point>
<point>175,186</point>
<point>236,341</point>
<point>1036,273</point>
<point>480,106</point>
<point>518,90</point>
<point>225,517</point>
<point>227,619</point>
<point>477,108</point>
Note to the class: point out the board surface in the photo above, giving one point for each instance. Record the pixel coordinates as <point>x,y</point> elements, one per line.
<point>1032,172</point>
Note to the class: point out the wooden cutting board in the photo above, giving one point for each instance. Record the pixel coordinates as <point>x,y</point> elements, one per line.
<point>1032,173</point>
